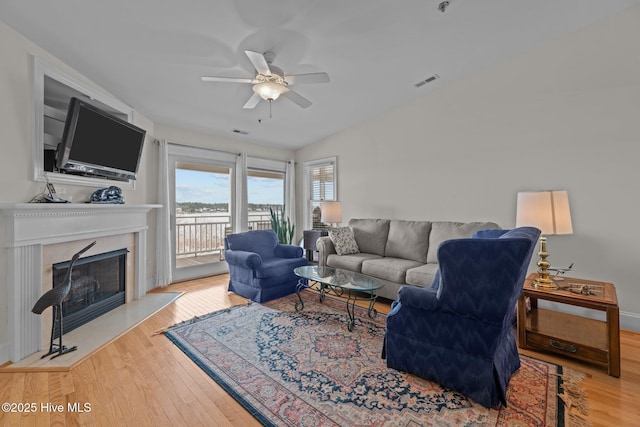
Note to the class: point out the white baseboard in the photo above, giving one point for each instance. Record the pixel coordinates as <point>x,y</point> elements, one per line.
<point>628,320</point>
<point>151,284</point>
<point>4,352</point>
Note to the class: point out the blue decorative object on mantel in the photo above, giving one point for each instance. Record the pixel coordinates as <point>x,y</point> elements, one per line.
<point>111,195</point>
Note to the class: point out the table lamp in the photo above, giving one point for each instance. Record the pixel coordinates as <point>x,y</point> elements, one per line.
<point>549,211</point>
<point>331,212</point>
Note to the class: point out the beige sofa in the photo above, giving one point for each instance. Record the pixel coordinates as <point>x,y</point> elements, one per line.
<point>397,252</point>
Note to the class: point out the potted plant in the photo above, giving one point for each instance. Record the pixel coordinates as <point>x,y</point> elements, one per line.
<point>282,226</point>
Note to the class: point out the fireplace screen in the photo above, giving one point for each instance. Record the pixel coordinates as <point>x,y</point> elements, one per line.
<point>97,286</point>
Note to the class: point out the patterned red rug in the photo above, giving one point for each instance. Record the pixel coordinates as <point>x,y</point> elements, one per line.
<point>306,369</point>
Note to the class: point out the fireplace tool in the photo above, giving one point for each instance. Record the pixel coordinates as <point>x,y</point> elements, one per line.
<point>54,298</point>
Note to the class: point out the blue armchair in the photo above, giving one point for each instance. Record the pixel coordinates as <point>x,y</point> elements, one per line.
<point>458,332</point>
<point>260,268</point>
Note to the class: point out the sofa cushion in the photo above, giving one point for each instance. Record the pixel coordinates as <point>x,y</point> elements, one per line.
<point>343,241</point>
<point>408,240</point>
<point>422,276</point>
<point>446,230</point>
<point>392,269</point>
<point>351,262</point>
<point>371,234</point>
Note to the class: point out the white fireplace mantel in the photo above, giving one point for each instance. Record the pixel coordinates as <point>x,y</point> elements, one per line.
<point>30,226</point>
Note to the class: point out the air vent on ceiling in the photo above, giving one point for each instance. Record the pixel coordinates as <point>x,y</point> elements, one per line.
<point>427,80</point>
<point>240,132</point>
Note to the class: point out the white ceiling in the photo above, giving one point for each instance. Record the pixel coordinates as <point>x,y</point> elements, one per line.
<point>151,53</point>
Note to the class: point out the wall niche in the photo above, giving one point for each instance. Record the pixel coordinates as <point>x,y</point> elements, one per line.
<point>52,92</point>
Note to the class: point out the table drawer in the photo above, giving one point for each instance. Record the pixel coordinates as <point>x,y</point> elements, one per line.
<point>567,348</point>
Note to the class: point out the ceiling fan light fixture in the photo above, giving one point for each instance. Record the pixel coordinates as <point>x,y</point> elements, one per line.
<point>270,82</point>
<point>269,91</point>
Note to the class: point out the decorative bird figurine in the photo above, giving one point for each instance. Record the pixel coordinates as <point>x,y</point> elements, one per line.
<point>54,298</point>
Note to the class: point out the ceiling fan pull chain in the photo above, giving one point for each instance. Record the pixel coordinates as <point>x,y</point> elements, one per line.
<point>270,108</point>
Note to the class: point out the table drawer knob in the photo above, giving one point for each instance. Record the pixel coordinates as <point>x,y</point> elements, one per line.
<point>569,348</point>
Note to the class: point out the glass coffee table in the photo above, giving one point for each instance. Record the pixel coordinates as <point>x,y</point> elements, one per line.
<point>346,285</point>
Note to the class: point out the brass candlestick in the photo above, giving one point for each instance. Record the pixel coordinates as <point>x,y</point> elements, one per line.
<point>543,280</point>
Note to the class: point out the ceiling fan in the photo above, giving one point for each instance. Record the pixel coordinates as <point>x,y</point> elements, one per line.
<point>270,81</point>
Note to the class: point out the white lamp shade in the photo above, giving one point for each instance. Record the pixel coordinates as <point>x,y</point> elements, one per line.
<point>269,90</point>
<point>331,212</point>
<point>547,210</point>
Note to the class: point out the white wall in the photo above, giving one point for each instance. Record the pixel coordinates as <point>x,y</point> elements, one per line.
<point>565,115</point>
<point>197,139</point>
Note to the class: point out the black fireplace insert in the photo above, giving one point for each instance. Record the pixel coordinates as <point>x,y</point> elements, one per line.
<point>98,286</point>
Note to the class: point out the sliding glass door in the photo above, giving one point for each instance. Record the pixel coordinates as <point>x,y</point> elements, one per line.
<point>203,203</point>
<point>208,195</point>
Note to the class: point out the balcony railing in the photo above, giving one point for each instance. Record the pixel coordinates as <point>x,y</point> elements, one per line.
<point>203,234</point>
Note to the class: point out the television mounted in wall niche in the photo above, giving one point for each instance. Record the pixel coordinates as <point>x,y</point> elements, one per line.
<point>96,143</point>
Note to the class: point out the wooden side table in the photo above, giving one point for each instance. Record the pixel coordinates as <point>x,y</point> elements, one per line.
<point>573,336</point>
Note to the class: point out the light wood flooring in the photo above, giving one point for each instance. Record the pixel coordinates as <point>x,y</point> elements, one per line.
<point>142,379</point>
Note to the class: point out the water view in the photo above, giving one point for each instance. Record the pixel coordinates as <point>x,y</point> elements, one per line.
<point>202,233</point>
<point>203,217</point>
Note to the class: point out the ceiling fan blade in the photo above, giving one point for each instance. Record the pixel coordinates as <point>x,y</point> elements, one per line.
<point>307,78</point>
<point>297,98</point>
<point>259,62</point>
<point>252,102</point>
<point>225,79</point>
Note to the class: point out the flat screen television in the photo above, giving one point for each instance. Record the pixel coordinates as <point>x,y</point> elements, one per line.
<point>96,143</point>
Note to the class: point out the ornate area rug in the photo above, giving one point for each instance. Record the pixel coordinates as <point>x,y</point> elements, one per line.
<point>307,369</point>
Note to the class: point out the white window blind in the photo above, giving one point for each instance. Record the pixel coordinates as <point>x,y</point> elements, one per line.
<point>320,185</point>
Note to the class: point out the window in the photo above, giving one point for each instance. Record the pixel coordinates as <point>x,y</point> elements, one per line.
<point>265,191</point>
<point>266,188</point>
<point>320,185</point>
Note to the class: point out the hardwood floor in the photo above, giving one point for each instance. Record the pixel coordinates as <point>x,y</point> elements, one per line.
<point>142,379</point>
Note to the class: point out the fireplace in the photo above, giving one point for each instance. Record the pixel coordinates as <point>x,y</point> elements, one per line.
<point>38,235</point>
<point>98,285</point>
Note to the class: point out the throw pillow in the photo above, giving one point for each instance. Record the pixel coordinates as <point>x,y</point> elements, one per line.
<point>343,240</point>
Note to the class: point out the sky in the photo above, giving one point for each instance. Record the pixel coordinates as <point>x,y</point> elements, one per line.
<point>209,187</point>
